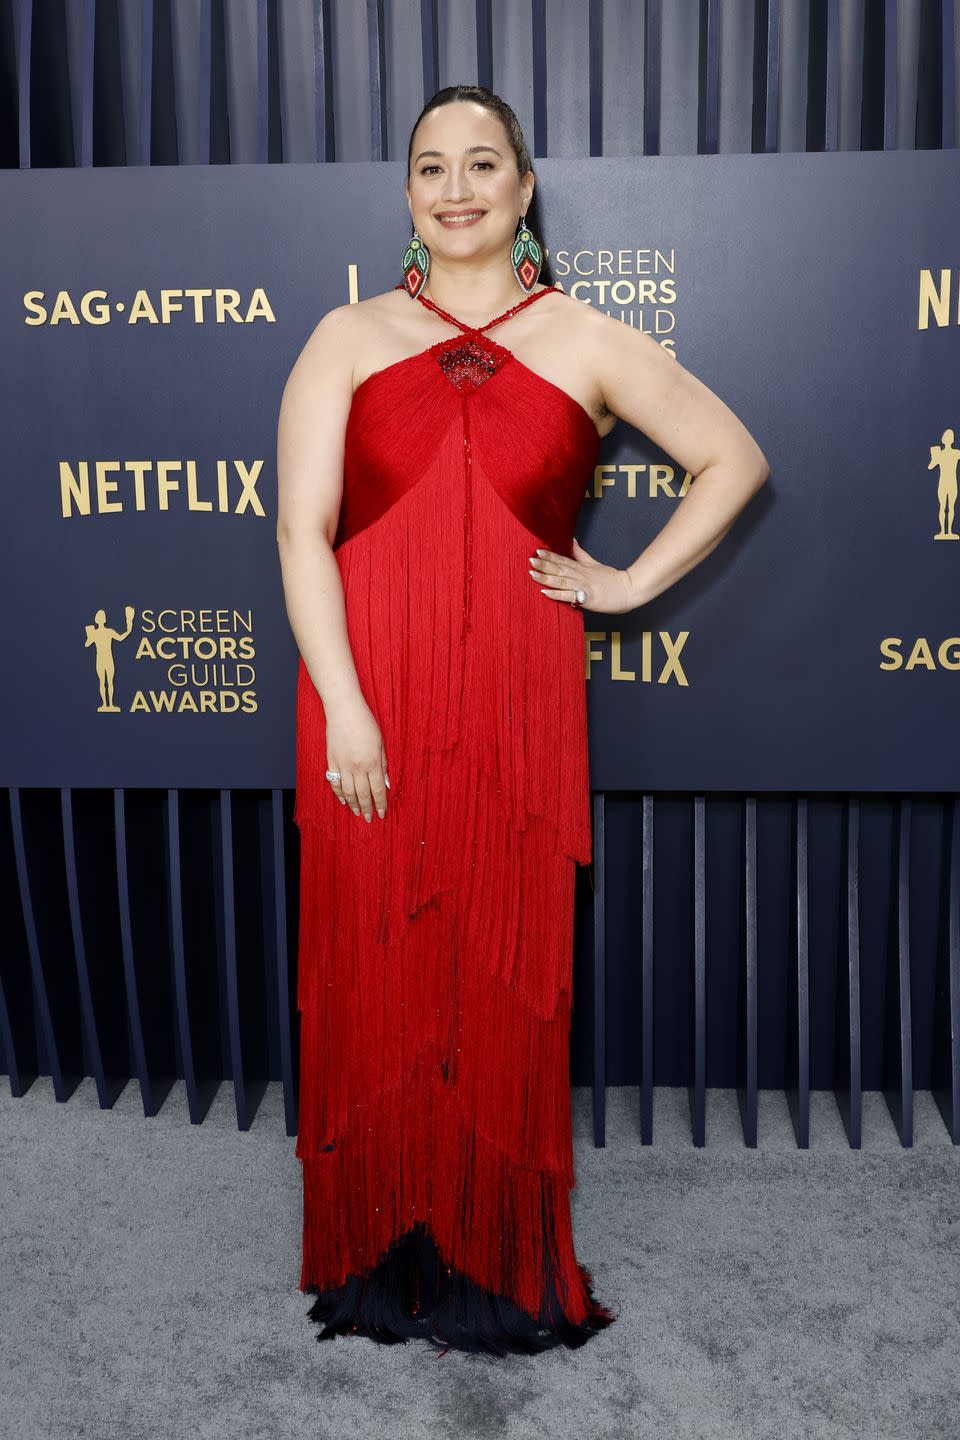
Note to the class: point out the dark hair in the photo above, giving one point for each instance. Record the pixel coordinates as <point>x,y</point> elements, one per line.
<point>480,95</point>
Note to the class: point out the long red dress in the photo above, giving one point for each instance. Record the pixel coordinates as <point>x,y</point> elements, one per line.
<point>436,944</point>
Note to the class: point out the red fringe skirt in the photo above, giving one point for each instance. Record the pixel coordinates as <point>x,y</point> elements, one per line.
<point>436,944</point>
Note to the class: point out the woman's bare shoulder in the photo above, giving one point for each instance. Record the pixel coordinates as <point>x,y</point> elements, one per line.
<point>341,332</point>
<point>576,330</point>
<point>580,325</point>
<point>583,318</point>
<point>341,321</point>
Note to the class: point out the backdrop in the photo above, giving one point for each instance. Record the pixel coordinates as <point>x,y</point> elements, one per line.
<point>150,317</point>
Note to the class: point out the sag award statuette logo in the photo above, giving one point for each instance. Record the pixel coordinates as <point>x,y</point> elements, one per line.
<point>101,637</point>
<point>944,457</point>
<point>182,660</point>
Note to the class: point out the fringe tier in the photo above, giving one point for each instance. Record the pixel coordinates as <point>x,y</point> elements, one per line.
<point>436,945</point>
<point>412,1293</point>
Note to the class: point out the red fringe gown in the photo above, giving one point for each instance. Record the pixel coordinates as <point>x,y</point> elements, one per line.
<point>435,960</point>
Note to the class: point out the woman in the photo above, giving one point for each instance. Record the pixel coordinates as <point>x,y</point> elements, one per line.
<point>434,445</point>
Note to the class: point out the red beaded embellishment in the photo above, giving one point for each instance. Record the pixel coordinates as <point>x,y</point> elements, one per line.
<point>467,363</point>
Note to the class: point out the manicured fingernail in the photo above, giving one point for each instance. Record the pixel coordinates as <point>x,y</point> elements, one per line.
<point>380,812</point>
<point>541,552</point>
<point>386,782</point>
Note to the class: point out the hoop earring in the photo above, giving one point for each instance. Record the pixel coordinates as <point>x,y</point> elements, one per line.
<point>526,257</point>
<point>416,265</point>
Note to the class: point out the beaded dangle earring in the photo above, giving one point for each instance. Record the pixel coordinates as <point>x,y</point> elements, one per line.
<point>526,257</point>
<point>416,265</point>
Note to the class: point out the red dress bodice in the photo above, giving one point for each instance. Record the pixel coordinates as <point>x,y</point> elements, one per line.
<point>532,440</point>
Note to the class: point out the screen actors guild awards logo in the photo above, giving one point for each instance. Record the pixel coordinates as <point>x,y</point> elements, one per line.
<point>101,636</point>
<point>183,661</point>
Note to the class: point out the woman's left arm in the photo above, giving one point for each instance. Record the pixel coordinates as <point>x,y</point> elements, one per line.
<point>643,384</point>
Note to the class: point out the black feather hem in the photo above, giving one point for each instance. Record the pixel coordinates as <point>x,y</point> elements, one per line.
<point>410,1294</point>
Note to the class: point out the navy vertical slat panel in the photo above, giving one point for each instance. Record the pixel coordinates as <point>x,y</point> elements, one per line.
<point>198,872</point>
<point>378,80</point>
<point>759,97</point>
<point>484,24</point>
<point>949,61</point>
<point>890,75</point>
<point>747,1080</point>
<point>708,119</point>
<point>646,972</point>
<point>898,1089</point>
<point>146,82</point>
<point>88,1018</point>
<point>697,1093</point>
<point>263,83</point>
<point>831,118</point>
<point>18,1028</point>
<point>323,84</point>
<point>205,83</point>
<point>771,78</point>
<point>86,82</point>
<point>23,34</point>
<point>64,1083</point>
<point>323,73</point>
<point>599,971</point>
<point>243,1039</point>
<point>134,1021</point>
<point>905,968</point>
<point>848,1091</point>
<point>595,77</point>
<point>798,1047</point>
<point>428,48</point>
<point>541,137</point>
<point>196,1108</point>
<point>18,1079</point>
<point>16,1018</point>
<point>285,1017</point>
<point>946,1039</point>
<point>652,52</point>
<point>229,932</point>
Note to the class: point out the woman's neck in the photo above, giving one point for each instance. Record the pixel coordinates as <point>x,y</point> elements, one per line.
<point>472,298</point>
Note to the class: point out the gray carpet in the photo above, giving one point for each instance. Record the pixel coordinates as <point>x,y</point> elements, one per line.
<point>149,1286</point>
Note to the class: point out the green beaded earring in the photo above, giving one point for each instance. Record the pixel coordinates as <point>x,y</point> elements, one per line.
<point>526,257</point>
<point>416,265</point>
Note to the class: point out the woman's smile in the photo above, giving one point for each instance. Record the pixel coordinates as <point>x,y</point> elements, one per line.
<point>459,219</point>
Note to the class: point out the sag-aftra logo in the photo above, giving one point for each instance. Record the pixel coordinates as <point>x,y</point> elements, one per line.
<point>198,306</point>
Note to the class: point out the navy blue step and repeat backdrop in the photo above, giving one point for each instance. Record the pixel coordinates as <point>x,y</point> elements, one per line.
<point>150,318</point>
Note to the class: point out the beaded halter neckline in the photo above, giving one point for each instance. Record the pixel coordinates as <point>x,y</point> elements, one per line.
<point>471,357</point>
<point>479,329</point>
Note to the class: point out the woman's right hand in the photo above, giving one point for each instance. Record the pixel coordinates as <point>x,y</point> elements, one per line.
<point>355,748</point>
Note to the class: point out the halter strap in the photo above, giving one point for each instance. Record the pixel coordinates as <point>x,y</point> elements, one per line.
<point>478,329</point>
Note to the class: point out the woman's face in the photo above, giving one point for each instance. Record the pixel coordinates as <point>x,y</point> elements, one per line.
<point>469,165</point>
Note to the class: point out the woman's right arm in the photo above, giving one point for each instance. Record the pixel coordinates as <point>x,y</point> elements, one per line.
<point>310,442</point>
